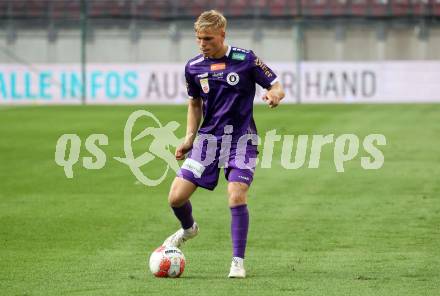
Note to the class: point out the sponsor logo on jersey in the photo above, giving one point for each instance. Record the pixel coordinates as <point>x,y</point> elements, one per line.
<point>244,178</point>
<point>218,75</point>
<point>262,65</point>
<point>240,49</point>
<point>204,83</point>
<point>238,56</point>
<point>219,66</point>
<point>204,75</point>
<point>232,78</point>
<point>193,166</point>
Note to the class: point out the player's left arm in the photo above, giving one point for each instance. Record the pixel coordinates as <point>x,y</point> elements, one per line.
<point>274,95</point>
<point>266,78</point>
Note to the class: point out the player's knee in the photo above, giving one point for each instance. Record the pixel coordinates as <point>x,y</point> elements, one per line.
<point>180,192</point>
<point>236,198</point>
<point>176,198</point>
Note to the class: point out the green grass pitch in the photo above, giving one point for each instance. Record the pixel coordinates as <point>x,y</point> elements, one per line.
<point>312,232</point>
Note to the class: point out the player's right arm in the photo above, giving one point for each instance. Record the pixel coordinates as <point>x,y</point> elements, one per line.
<point>194,117</point>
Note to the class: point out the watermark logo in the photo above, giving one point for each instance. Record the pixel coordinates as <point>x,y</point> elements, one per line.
<point>74,142</point>
<point>214,150</point>
<point>164,137</point>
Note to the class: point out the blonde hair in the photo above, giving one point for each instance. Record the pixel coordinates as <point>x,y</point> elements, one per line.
<point>211,19</point>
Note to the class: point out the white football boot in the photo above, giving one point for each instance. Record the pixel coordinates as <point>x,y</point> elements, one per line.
<point>181,236</point>
<point>237,268</point>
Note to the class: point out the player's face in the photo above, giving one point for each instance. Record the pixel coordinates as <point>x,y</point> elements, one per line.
<point>210,42</point>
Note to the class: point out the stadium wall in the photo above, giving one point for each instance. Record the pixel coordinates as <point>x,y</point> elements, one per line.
<point>276,43</point>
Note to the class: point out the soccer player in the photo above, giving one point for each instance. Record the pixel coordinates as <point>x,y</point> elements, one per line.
<point>221,85</point>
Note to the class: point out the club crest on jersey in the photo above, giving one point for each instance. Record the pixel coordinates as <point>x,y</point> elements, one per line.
<point>232,78</point>
<point>205,85</point>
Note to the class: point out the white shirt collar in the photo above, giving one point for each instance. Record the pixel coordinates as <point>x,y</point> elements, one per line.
<point>228,51</point>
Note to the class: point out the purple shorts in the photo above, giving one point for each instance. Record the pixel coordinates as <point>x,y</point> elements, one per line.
<point>202,166</point>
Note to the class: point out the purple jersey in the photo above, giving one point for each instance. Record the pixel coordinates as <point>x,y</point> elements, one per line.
<point>227,88</point>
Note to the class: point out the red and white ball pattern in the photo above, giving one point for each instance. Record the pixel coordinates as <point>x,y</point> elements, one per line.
<point>167,262</point>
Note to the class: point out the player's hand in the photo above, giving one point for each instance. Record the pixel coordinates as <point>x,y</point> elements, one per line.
<point>182,150</point>
<point>274,95</point>
<point>271,99</point>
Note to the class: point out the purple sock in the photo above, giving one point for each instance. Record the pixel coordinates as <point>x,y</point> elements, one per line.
<point>184,214</point>
<point>239,230</point>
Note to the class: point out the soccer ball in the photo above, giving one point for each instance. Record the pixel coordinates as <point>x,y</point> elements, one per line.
<point>167,262</point>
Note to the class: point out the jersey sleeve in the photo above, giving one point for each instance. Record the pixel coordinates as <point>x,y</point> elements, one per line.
<point>262,74</point>
<point>192,88</point>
